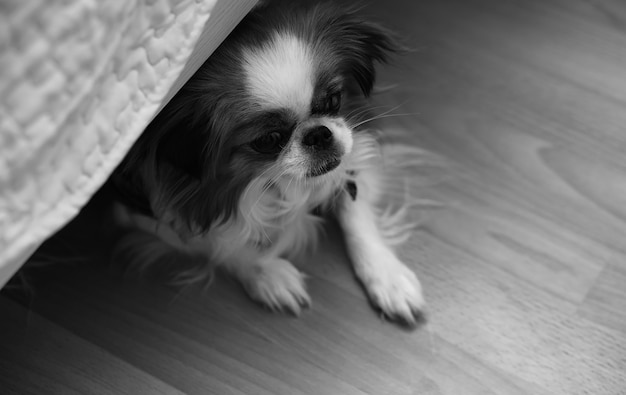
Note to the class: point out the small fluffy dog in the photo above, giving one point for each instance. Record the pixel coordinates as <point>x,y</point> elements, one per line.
<point>263,142</point>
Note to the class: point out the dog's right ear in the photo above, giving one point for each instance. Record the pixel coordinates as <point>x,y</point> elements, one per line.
<point>179,141</point>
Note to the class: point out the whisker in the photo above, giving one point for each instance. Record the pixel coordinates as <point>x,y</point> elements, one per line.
<point>362,110</point>
<point>382,116</point>
<point>382,113</point>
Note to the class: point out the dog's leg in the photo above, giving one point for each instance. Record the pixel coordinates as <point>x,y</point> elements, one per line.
<point>390,284</point>
<point>272,281</point>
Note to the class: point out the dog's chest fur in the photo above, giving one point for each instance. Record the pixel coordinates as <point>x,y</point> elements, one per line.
<point>287,221</point>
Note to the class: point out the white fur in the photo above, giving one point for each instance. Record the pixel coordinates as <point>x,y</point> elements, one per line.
<point>286,57</point>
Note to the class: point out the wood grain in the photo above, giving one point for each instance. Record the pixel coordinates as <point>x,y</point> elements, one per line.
<point>523,258</point>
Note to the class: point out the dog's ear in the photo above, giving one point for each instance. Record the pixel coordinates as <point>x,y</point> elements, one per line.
<point>361,44</point>
<point>185,134</point>
<point>179,147</point>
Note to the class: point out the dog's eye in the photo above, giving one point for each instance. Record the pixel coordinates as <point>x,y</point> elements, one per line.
<point>333,102</point>
<point>270,143</point>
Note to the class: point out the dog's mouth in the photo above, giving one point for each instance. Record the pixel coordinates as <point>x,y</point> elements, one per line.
<point>325,168</point>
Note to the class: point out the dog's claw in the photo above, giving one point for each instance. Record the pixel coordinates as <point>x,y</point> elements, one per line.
<point>413,321</point>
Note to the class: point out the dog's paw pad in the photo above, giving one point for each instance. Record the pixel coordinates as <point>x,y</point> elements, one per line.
<point>398,294</point>
<point>279,286</point>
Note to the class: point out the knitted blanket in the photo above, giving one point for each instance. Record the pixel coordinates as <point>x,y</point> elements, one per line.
<point>79,81</point>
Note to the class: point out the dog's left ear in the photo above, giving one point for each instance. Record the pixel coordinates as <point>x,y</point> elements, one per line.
<point>363,44</point>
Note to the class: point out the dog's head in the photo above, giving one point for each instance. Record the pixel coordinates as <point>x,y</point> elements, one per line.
<point>272,104</point>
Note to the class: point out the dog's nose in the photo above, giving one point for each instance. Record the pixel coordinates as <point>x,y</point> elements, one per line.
<point>319,137</point>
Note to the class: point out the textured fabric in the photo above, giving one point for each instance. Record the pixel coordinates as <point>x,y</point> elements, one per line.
<point>79,81</point>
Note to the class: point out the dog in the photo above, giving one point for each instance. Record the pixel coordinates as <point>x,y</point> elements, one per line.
<point>240,169</point>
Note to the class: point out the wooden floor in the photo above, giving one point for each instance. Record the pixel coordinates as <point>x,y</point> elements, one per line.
<point>523,263</point>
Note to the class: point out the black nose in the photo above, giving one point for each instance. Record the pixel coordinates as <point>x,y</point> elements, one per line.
<point>319,137</point>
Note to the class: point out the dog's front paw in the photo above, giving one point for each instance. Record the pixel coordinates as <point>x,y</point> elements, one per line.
<point>395,290</point>
<point>278,285</point>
